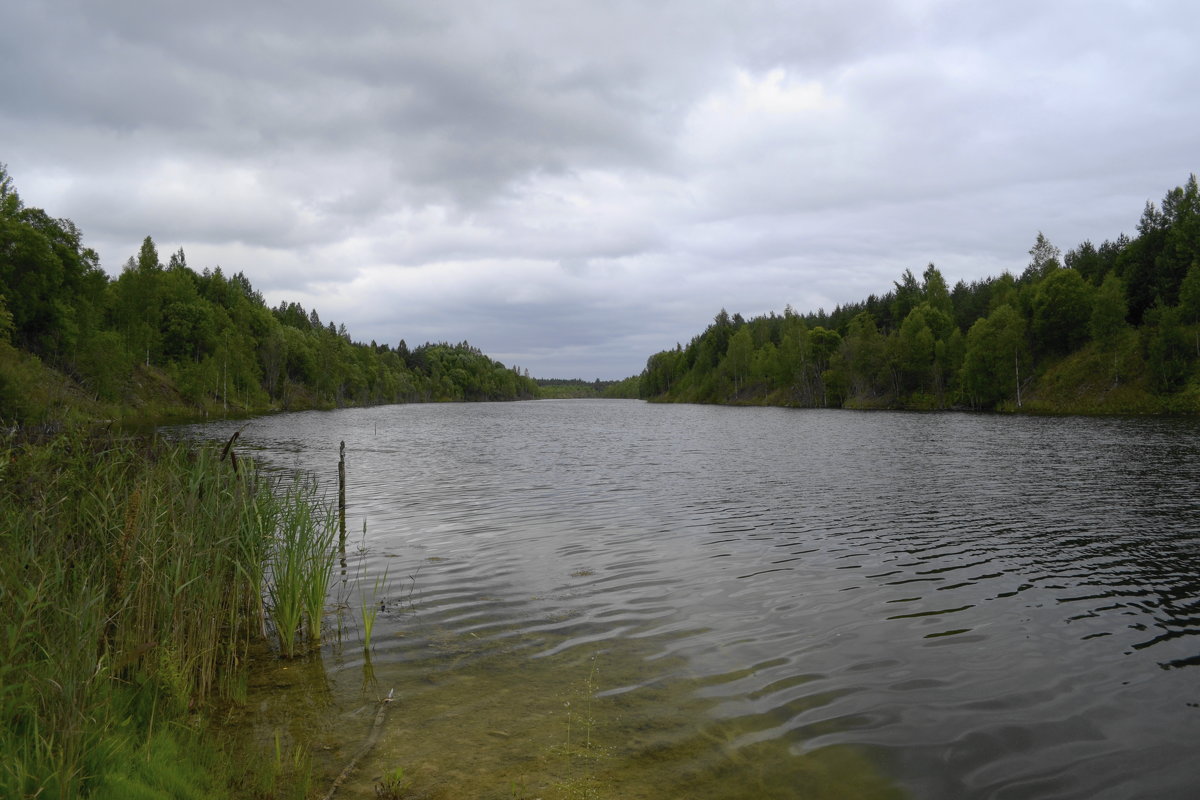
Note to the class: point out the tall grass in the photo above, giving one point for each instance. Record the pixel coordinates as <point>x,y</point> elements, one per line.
<point>131,587</point>
<point>301,565</point>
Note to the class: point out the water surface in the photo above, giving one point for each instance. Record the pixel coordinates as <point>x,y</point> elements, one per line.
<point>618,599</point>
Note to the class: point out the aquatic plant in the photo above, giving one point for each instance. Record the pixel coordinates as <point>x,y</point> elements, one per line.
<point>393,785</point>
<point>130,592</point>
<point>300,565</point>
<point>582,754</point>
<point>369,608</point>
<point>285,589</point>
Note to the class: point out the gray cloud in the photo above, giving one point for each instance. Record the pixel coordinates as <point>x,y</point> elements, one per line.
<point>573,186</point>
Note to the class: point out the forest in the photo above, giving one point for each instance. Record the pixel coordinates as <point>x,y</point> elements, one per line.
<point>1113,328</point>
<point>579,389</point>
<point>163,338</point>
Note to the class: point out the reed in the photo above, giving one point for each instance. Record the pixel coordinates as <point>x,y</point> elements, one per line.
<point>131,589</point>
<point>370,607</point>
<point>300,566</point>
<point>319,566</point>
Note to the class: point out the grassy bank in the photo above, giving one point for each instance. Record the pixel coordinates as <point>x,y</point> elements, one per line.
<point>33,394</point>
<point>131,590</point>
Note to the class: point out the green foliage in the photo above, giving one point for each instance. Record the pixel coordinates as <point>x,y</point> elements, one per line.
<point>369,606</point>
<point>130,592</point>
<point>300,565</point>
<point>394,784</point>
<point>907,295</point>
<point>174,764</point>
<point>1168,348</point>
<point>208,337</point>
<point>935,291</point>
<point>990,344</point>
<point>460,372</point>
<point>914,350</point>
<point>736,364</point>
<point>1109,311</point>
<point>1043,259</point>
<point>6,321</point>
<point>1098,379</point>
<point>576,388</point>
<point>662,371</point>
<point>624,389</point>
<point>47,277</point>
<point>996,351</point>
<point>1189,294</point>
<point>1062,310</point>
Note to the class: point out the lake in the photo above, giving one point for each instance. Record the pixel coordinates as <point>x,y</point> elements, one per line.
<point>593,598</point>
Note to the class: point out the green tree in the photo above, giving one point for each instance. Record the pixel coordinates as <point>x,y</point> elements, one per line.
<point>188,331</point>
<point>764,367</point>
<point>1109,329</point>
<point>137,300</point>
<point>1087,261</point>
<point>823,343</point>
<point>47,276</point>
<point>147,257</point>
<point>1043,259</point>
<point>936,292</point>
<point>865,357</point>
<point>996,361</point>
<point>795,361</point>
<point>948,360</point>
<point>1167,347</point>
<point>914,351</point>
<point>1138,263</point>
<point>660,373</point>
<point>1181,240</point>
<point>738,358</point>
<point>6,321</point>
<point>272,356</point>
<point>1002,291</point>
<point>906,296</point>
<point>1109,310</point>
<point>1062,308</point>
<point>1189,300</point>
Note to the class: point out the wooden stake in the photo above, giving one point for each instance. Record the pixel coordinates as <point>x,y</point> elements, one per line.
<point>342,490</point>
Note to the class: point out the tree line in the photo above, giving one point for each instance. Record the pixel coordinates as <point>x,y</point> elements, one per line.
<point>579,389</point>
<point>207,335</point>
<point>1114,327</point>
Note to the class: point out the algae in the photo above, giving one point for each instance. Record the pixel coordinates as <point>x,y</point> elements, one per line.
<point>516,715</point>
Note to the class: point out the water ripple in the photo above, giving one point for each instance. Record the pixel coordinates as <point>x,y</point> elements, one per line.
<point>1000,607</point>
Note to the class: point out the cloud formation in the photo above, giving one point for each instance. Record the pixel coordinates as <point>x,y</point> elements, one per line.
<point>572,186</point>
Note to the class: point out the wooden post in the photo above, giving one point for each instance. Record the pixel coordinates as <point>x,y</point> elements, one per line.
<point>342,492</point>
<point>228,451</point>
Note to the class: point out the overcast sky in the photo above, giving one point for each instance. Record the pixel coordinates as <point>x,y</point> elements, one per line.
<point>572,186</point>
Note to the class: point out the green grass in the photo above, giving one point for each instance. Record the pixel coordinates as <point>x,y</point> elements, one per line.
<point>1111,380</point>
<point>130,593</point>
<point>393,785</point>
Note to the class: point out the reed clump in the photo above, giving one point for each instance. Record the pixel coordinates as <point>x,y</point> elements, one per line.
<point>300,565</point>
<point>131,589</point>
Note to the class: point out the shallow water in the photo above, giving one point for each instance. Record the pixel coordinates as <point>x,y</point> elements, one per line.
<point>616,599</point>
